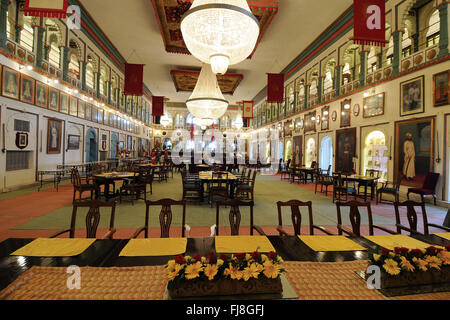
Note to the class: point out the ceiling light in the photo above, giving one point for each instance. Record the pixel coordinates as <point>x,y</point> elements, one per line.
<point>207,101</point>
<point>165,120</point>
<point>203,122</point>
<point>220,32</point>
<point>239,123</point>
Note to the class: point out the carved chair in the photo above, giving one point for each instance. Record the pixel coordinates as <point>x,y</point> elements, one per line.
<point>247,187</point>
<point>82,187</point>
<point>428,187</point>
<point>219,185</point>
<point>393,190</point>
<point>341,187</point>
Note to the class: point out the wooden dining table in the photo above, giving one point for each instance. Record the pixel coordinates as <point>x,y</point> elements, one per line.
<point>206,177</point>
<point>365,181</point>
<point>109,178</point>
<point>104,253</point>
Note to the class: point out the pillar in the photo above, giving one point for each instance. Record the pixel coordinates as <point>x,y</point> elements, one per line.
<point>108,88</point>
<point>363,54</point>
<point>397,37</point>
<point>17,29</point>
<point>3,22</point>
<point>39,31</point>
<point>65,63</point>
<point>83,74</point>
<point>320,88</point>
<point>97,84</point>
<point>444,32</point>
<point>415,41</point>
<point>338,80</point>
<point>307,86</point>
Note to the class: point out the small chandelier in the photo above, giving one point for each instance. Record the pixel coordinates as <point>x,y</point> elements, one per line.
<point>165,121</point>
<point>239,123</point>
<point>203,122</point>
<point>220,32</point>
<point>207,101</point>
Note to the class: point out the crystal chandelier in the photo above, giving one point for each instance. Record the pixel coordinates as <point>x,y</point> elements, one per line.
<point>220,32</point>
<point>165,121</point>
<point>203,122</point>
<point>239,122</point>
<point>207,101</point>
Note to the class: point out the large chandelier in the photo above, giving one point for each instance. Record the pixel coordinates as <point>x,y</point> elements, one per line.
<point>220,32</point>
<point>207,101</point>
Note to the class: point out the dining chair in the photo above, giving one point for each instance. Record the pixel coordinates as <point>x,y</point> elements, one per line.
<point>165,217</point>
<point>412,218</point>
<point>219,185</point>
<point>340,187</point>
<point>235,217</point>
<point>355,219</point>
<point>285,171</point>
<point>297,174</point>
<point>92,218</point>
<point>82,187</point>
<point>428,188</point>
<point>372,173</point>
<point>134,187</point>
<point>392,190</point>
<point>296,217</point>
<point>192,186</point>
<point>247,187</point>
<point>323,180</point>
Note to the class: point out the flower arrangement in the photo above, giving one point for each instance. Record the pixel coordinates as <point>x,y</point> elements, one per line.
<point>247,271</point>
<point>404,260</point>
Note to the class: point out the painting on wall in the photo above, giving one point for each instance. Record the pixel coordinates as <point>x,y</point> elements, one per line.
<point>27,85</point>
<point>81,109</point>
<point>10,81</point>
<point>414,150</point>
<point>53,99</point>
<point>73,106</point>
<point>310,122</point>
<point>88,112</point>
<point>288,128</point>
<point>325,125</point>
<point>412,95</point>
<point>345,150</point>
<point>94,113</point>
<point>298,150</point>
<point>41,94</point>
<point>441,87</point>
<point>73,142</point>
<point>63,102</point>
<point>54,130</point>
<point>373,106</point>
<point>345,113</point>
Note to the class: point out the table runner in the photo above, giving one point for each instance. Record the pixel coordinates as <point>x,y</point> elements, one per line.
<point>444,235</point>
<point>154,247</point>
<point>311,281</point>
<point>54,247</point>
<point>398,240</point>
<point>243,244</point>
<point>331,243</point>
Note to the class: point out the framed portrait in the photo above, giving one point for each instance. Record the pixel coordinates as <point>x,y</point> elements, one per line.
<point>100,116</point>
<point>53,99</point>
<point>297,124</point>
<point>414,150</point>
<point>73,106</point>
<point>106,116</point>
<point>441,86</point>
<point>310,122</point>
<point>81,109</point>
<point>94,113</point>
<point>54,130</point>
<point>373,106</point>
<point>298,150</point>
<point>10,83</point>
<point>345,150</point>
<point>334,116</point>
<point>288,126</point>
<point>88,112</point>
<point>356,110</point>
<point>41,94</point>
<point>412,95</point>
<point>345,113</point>
<point>325,118</point>
<point>73,142</point>
<point>63,102</point>
<point>27,85</point>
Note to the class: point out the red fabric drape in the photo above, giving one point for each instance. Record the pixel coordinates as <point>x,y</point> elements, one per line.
<point>247,110</point>
<point>369,22</point>
<point>192,131</point>
<point>275,87</point>
<point>158,106</point>
<point>37,8</point>
<point>134,80</point>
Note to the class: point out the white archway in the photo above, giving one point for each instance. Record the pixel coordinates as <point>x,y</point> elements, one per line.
<point>326,154</point>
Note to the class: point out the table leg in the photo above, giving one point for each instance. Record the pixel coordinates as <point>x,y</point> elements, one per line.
<point>365,192</point>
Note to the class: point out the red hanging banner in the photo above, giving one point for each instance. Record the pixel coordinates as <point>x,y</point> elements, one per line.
<point>46,8</point>
<point>275,87</point>
<point>247,110</point>
<point>134,80</point>
<point>157,106</point>
<point>369,18</point>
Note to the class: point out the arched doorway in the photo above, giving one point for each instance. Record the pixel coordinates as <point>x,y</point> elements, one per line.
<point>326,154</point>
<point>281,150</point>
<point>288,151</point>
<point>310,155</point>
<point>376,154</point>
<point>114,142</point>
<point>91,146</point>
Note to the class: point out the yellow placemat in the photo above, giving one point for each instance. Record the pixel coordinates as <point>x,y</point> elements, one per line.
<point>444,235</point>
<point>54,247</point>
<point>154,247</point>
<point>243,244</point>
<point>398,240</point>
<point>331,243</point>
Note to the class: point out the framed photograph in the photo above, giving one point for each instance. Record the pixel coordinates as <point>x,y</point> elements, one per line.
<point>345,150</point>
<point>53,99</point>
<point>325,118</point>
<point>63,102</point>
<point>412,96</point>
<point>298,150</point>
<point>73,106</point>
<point>54,130</point>
<point>10,83</point>
<point>81,109</point>
<point>373,106</point>
<point>27,85</point>
<point>441,86</point>
<point>73,142</point>
<point>345,113</point>
<point>88,112</point>
<point>288,126</point>
<point>22,140</point>
<point>334,116</point>
<point>94,113</point>
<point>414,150</point>
<point>41,94</point>
<point>356,110</point>
<point>310,122</point>
<point>100,116</point>
<point>106,116</point>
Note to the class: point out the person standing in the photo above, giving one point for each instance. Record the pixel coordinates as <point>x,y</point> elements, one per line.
<point>409,166</point>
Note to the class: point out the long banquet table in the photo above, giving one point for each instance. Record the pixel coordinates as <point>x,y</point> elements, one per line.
<point>296,254</point>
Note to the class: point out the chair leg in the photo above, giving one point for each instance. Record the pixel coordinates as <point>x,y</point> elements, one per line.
<point>435,199</point>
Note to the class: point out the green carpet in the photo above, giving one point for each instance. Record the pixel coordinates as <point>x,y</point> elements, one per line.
<point>268,190</point>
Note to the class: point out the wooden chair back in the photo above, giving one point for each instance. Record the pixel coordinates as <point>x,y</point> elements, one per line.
<point>75,177</point>
<point>234,215</point>
<point>354,217</point>
<point>373,173</point>
<point>412,216</point>
<point>92,217</point>
<point>165,215</point>
<point>296,215</point>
